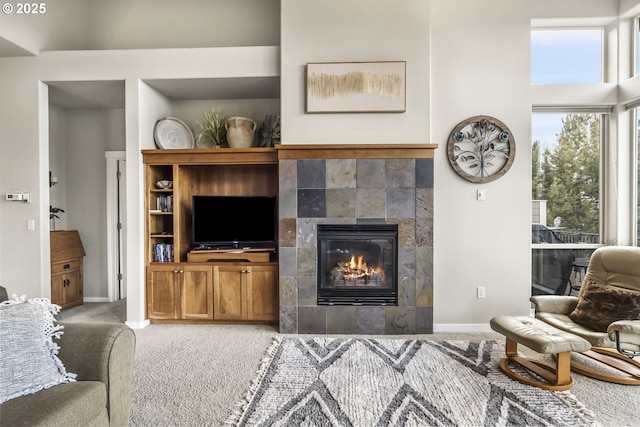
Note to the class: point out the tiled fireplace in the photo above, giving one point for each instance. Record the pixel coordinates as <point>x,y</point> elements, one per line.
<point>356,185</point>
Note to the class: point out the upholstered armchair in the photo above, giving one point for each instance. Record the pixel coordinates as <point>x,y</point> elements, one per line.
<point>606,313</point>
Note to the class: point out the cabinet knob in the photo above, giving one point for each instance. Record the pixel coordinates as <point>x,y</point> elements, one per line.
<point>245,271</point>
<point>176,271</point>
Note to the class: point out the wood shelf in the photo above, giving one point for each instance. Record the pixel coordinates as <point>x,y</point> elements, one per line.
<point>210,156</point>
<point>356,151</point>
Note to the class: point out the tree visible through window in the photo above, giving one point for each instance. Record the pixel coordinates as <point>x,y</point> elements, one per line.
<point>567,175</point>
<point>565,188</point>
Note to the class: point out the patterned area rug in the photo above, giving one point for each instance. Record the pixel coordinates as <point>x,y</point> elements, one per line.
<point>392,382</point>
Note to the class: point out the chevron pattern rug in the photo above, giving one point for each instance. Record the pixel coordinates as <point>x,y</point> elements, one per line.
<point>392,382</point>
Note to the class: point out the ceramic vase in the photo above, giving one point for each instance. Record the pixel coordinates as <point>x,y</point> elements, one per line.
<point>240,132</point>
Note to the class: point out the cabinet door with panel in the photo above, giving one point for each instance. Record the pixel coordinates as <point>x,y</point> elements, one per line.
<point>66,289</point>
<point>230,292</point>
<point>262,292</point>
<point>163,291</point>
<point>197,292</point>
<point>72,284</point>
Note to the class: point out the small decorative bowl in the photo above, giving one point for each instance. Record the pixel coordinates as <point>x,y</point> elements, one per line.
<point>164,184</point>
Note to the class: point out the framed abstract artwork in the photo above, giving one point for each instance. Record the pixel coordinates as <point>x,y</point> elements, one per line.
<point>356,87</point>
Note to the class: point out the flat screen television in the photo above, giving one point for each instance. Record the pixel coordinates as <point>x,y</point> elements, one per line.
<point>220,222</point>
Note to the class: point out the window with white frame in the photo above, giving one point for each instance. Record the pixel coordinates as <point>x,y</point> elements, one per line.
<point>566,148</point>
<point>566,198</point>
<point>566,56</point>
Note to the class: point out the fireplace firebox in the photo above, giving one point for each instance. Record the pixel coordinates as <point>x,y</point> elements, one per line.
<point>357,264</point>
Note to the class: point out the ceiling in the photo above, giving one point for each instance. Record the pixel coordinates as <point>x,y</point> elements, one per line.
<point>139,24</point>
<point>88,25</point>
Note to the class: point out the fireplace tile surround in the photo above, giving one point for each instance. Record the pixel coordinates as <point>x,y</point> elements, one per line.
<point>356,184</point>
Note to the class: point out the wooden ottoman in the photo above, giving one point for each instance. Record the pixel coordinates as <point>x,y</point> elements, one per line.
<point>542,338</point>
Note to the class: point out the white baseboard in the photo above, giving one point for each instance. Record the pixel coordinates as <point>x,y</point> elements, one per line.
<point>462,327</point>
<point>138,325</point>
<point>95,299</point>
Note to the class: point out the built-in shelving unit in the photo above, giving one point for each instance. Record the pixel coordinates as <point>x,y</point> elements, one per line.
<point>237,81</point>
<point>185,286</point>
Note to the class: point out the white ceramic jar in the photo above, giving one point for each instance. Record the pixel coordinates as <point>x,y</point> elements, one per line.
<point>240,132</point>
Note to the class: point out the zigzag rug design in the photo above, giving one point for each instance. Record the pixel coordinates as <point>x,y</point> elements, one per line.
<point>392,382</point>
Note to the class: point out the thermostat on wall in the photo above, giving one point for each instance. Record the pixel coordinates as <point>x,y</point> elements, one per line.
<point>22,197</point>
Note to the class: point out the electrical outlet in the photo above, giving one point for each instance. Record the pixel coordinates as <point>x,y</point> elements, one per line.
<point>481,292</point>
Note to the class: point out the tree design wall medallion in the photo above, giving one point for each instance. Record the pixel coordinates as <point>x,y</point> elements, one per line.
<point>481,149</point>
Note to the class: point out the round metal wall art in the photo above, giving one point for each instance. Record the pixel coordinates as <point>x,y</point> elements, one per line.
<point>481,149</point>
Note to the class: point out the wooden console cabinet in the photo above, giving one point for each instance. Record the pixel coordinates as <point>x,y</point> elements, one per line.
<point>185,286</point>
<point>67,255</point>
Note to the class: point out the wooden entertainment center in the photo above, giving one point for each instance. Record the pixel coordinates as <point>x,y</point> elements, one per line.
<point>184,285</point>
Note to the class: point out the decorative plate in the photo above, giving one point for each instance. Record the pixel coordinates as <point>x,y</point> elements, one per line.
<point>171,132</point>
<point>481,149</point>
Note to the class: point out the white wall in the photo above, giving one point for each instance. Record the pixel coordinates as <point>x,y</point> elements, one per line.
<point>480,66</point>
<point>255,109</point>
<point>23,264</point>
<point>353,31</point>
<point>58,163</point>
<point>24,144</point>
<point>454,71</point>
<point>78,139</point>
<point>88,137</point>
<point>464,57</point>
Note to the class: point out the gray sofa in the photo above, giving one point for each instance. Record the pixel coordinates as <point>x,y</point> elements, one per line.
<point>102,356</point>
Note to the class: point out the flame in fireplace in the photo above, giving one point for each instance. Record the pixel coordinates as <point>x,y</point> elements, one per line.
<point>357,268</point>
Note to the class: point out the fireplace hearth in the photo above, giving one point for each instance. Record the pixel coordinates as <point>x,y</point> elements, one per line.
<point>357,264</point>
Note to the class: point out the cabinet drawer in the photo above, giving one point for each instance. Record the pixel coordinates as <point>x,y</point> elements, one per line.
<point>61,267</point>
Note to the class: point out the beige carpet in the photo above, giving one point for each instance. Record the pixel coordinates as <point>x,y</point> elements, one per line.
<point>188,375</point>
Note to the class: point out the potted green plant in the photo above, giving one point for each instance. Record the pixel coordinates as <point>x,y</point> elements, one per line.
<point>212,129</point>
